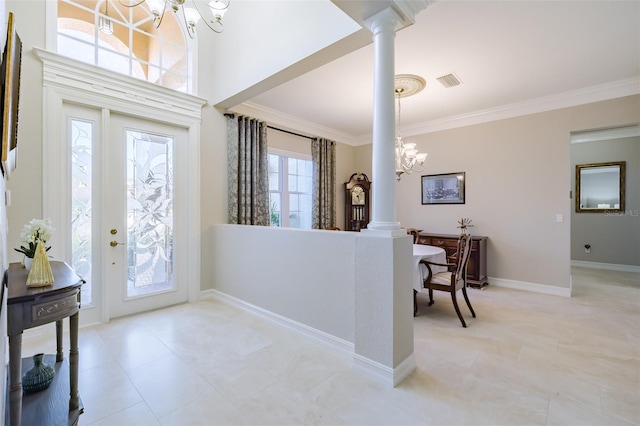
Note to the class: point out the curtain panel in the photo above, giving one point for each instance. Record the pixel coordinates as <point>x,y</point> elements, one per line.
<point>248,174</point>
<point>323,156</point>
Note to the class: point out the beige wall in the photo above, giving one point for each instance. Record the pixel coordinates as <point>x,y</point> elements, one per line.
<point>518,177</point>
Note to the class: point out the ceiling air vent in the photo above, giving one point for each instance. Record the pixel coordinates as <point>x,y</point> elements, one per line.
<point>449,80</point>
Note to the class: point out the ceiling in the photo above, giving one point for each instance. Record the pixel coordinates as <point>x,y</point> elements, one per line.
<point>512,57</point>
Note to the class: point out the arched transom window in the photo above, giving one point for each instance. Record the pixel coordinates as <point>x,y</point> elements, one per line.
<point>135,47</point>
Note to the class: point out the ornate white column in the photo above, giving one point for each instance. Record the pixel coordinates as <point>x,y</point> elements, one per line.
<point>383,26</point>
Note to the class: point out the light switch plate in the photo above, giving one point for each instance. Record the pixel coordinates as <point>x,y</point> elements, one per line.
<point>559,218</point>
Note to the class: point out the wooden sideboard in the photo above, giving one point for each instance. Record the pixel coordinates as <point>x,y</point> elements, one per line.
<point>477,267</point>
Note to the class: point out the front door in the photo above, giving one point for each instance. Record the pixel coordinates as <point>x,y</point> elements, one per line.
<point>125,208</point>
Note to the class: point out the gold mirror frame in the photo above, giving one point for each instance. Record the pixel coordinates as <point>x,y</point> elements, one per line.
<point>609,208</point>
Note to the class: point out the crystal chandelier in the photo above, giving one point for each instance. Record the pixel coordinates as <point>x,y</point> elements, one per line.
<point>211,12</point>
<point>408,159</point>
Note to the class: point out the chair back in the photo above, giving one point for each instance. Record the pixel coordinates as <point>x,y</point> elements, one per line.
<point>464,247</point>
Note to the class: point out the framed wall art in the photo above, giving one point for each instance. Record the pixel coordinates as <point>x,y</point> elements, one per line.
<point>446,188</point>
<point>10,73</point>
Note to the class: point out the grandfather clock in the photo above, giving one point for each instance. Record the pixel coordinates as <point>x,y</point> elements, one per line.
<point>357,202</point>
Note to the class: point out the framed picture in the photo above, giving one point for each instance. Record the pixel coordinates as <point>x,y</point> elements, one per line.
<point>446,188</point>
<point>10,73</point>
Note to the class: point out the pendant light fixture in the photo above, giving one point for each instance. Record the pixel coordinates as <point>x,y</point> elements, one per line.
<point>105,24</point>
<point>408,159</point>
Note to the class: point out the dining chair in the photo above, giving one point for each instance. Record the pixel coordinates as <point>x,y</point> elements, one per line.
<point>414,233</point>
<point>452,280</point>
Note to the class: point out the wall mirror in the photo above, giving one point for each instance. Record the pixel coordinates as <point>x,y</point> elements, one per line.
<point>600,187</point>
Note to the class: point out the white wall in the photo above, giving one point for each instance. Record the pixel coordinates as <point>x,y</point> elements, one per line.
<point>305,275</point>
<point>289,31</point>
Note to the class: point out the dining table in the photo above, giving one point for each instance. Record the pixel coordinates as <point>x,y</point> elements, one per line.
<point>430,253</point>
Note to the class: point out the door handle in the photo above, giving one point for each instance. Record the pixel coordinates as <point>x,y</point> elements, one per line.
<point>115,243</point>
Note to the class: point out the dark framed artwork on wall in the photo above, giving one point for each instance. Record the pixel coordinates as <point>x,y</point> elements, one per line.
<point>10,74</point>
<point>445,188</point>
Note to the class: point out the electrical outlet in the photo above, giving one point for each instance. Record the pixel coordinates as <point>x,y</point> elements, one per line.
<point>587,248</point>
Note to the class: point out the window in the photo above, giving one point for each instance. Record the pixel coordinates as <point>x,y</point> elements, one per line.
<point>290,190</point>
<point>136,48</point>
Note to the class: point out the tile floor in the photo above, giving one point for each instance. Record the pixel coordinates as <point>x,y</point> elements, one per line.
<point>528,359</point>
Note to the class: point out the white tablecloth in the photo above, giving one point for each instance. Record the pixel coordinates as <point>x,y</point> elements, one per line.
<point>430,253</point>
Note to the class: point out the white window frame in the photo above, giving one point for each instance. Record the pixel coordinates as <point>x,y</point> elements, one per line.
<point>283,183</point>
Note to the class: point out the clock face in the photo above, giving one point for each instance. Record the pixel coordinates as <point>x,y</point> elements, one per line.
<point>357,196</point>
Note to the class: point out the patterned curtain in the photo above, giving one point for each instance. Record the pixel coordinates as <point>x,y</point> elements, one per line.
<point>248,171</point>
<point>323,155</point>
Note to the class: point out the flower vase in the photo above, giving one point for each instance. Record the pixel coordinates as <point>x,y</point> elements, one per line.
<point>27,263</point>
<point>39,377</point>
<point>41,274</point>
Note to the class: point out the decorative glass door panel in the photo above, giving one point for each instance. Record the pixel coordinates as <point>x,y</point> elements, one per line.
<point>82,139</point>
<point>141,209</point>
<point>149,213</point>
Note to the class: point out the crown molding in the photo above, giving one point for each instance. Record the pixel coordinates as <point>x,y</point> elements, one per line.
<point>410,8</point>
<point>603,92</point>
<point>290,122</point>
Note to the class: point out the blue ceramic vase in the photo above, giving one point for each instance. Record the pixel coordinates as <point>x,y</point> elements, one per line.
<point>39,377</point>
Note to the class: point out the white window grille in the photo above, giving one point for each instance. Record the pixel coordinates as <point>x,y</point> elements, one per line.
<point>135,48</point>
<point>290,190</point>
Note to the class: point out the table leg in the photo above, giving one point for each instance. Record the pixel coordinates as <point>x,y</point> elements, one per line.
<point>59,352</point>
<point>74,402</point>
<point>15,379</point>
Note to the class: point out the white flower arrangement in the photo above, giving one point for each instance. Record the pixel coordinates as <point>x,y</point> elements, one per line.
<point>37,230</point>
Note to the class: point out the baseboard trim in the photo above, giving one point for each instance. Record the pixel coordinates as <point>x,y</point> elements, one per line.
<point>389,376</point>
<point>533,287</point>
<point>310,332</point>
<point>607,266</point>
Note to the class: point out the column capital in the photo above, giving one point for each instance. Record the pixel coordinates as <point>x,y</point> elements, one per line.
<point>387,19</point>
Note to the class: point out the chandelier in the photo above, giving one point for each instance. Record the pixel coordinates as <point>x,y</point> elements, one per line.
<point>191,11</point>
<point>408,159</point>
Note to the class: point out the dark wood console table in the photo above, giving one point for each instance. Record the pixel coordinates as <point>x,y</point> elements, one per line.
<point>32,307</point>
<point>477,266</point>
